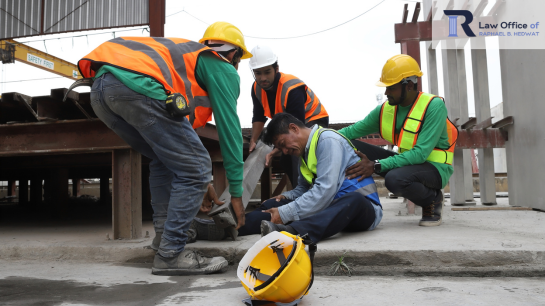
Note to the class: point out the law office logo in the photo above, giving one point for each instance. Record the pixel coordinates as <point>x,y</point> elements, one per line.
<point>453,22</point>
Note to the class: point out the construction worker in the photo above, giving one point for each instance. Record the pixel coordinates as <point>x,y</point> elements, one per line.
<point>417,123</point>
<point>133,79</point>
<point>275,92</point>
<point>324,202</point>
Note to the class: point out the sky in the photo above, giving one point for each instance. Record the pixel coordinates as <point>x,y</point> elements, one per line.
<point>340,65</point>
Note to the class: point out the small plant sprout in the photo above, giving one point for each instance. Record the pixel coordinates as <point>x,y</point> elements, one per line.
<point>340,266</point>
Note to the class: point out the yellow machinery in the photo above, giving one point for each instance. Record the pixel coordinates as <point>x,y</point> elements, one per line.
<point>12,50</point>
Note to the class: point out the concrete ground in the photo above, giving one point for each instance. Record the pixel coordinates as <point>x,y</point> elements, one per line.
<point>64,283</point>
<point>468,243</point>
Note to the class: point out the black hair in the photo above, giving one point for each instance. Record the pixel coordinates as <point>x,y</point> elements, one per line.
<point>275,65</point>
<point>279,125</point>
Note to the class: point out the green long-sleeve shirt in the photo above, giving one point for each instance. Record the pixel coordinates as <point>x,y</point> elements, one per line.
<point>222,82</point>
<point>433,134</point>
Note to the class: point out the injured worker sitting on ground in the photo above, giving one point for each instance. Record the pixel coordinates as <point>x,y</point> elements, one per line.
<point>324,202</point>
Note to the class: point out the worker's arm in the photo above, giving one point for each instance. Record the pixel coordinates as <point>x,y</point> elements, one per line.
<point>302,187</point>
<point>331,157</point>
<point>369,125</point>
<point>434,125</point>
<point>258,120</point>
<point>222,83</point>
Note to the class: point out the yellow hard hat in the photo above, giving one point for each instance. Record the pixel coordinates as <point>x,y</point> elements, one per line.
<point>226,32</point>
<point>276,268</point>
<point>397,68</point>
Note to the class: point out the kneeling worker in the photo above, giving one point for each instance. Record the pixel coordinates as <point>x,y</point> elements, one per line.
<point>324,202</point>
<point>417,123</point>
<point>274,92</point>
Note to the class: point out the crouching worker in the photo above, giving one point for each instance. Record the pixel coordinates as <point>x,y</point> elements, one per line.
<point>324,201</point>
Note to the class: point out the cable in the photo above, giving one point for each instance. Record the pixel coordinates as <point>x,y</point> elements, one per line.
<point>33,80</point>
<point>291,37</point>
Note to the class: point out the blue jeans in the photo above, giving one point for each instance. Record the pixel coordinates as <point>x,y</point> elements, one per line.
<point>180,170</point>
<point>352,212</point>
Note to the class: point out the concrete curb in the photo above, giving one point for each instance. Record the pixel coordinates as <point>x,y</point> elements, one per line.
<point>488,263</point>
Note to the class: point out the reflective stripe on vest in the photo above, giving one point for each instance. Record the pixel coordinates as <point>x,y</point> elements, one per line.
<point>313,108</point>
<point>408,135</point>
<point>366,187</point>
<point>169,61</point>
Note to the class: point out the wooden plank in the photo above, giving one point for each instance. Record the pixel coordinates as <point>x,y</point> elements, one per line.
<point>127,194</point>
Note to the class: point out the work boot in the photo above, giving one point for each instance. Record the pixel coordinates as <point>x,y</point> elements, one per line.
<point>191,237</point>
<point>207,230</point>
<point>268,227</point>
<point>188,263</point>
<point>156,241</point>
<point>431,214</point>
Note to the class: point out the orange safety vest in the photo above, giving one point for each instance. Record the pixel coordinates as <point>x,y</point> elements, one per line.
<point>169,61</point>
<point>313,108</point>
<point>408,136</point>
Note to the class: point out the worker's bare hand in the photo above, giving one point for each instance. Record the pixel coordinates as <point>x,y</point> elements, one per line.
<point>275,215</point>
<point>210,197</point>
<point>239,211</point>
<point>269,157</point>
<point>363,168</point>
<point>252,146</point>
<point>278,198</point>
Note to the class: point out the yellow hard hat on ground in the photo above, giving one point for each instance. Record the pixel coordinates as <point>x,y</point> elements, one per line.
<point>397,68</point>
<point>277,268</point>
<point>227,32</point>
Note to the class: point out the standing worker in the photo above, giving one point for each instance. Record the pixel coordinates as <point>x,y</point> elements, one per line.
<point>418,125</point>
<point>135,79</point>
<point>275,92</point>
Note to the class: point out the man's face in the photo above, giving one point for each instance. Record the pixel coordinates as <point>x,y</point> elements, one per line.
<point>291,143</point>
<point>394,94</point>
<point>264,76</point>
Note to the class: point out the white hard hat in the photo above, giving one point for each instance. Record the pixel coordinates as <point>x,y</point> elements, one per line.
<point>263,56</point>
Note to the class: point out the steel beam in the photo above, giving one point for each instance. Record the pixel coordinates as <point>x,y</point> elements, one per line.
<point>157,18</point>
<point>74,136</point>
<point>127,197</point>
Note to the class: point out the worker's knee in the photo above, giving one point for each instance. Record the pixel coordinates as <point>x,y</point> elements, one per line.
<point>395,182</point>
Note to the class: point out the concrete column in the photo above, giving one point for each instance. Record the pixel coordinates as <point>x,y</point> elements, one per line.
<point>454,75</point>
<point>58,187</point>
<point>127,194</point>
<point>487,176</point>
<point>433,80</point>
<point>76,186</point>
<point>23,191</point>
<point>12,188</point>
<point>36,190</point>
<point>522,88</point>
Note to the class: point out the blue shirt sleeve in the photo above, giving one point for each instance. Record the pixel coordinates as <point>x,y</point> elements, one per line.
<point>332,160</point>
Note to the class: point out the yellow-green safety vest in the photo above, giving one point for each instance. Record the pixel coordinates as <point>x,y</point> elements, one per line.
<point>408,135</point>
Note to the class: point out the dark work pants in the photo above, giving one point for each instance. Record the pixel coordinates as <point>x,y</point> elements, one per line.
<point>291,163</point>
<point>418,183</point>
<point>352,212</point>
